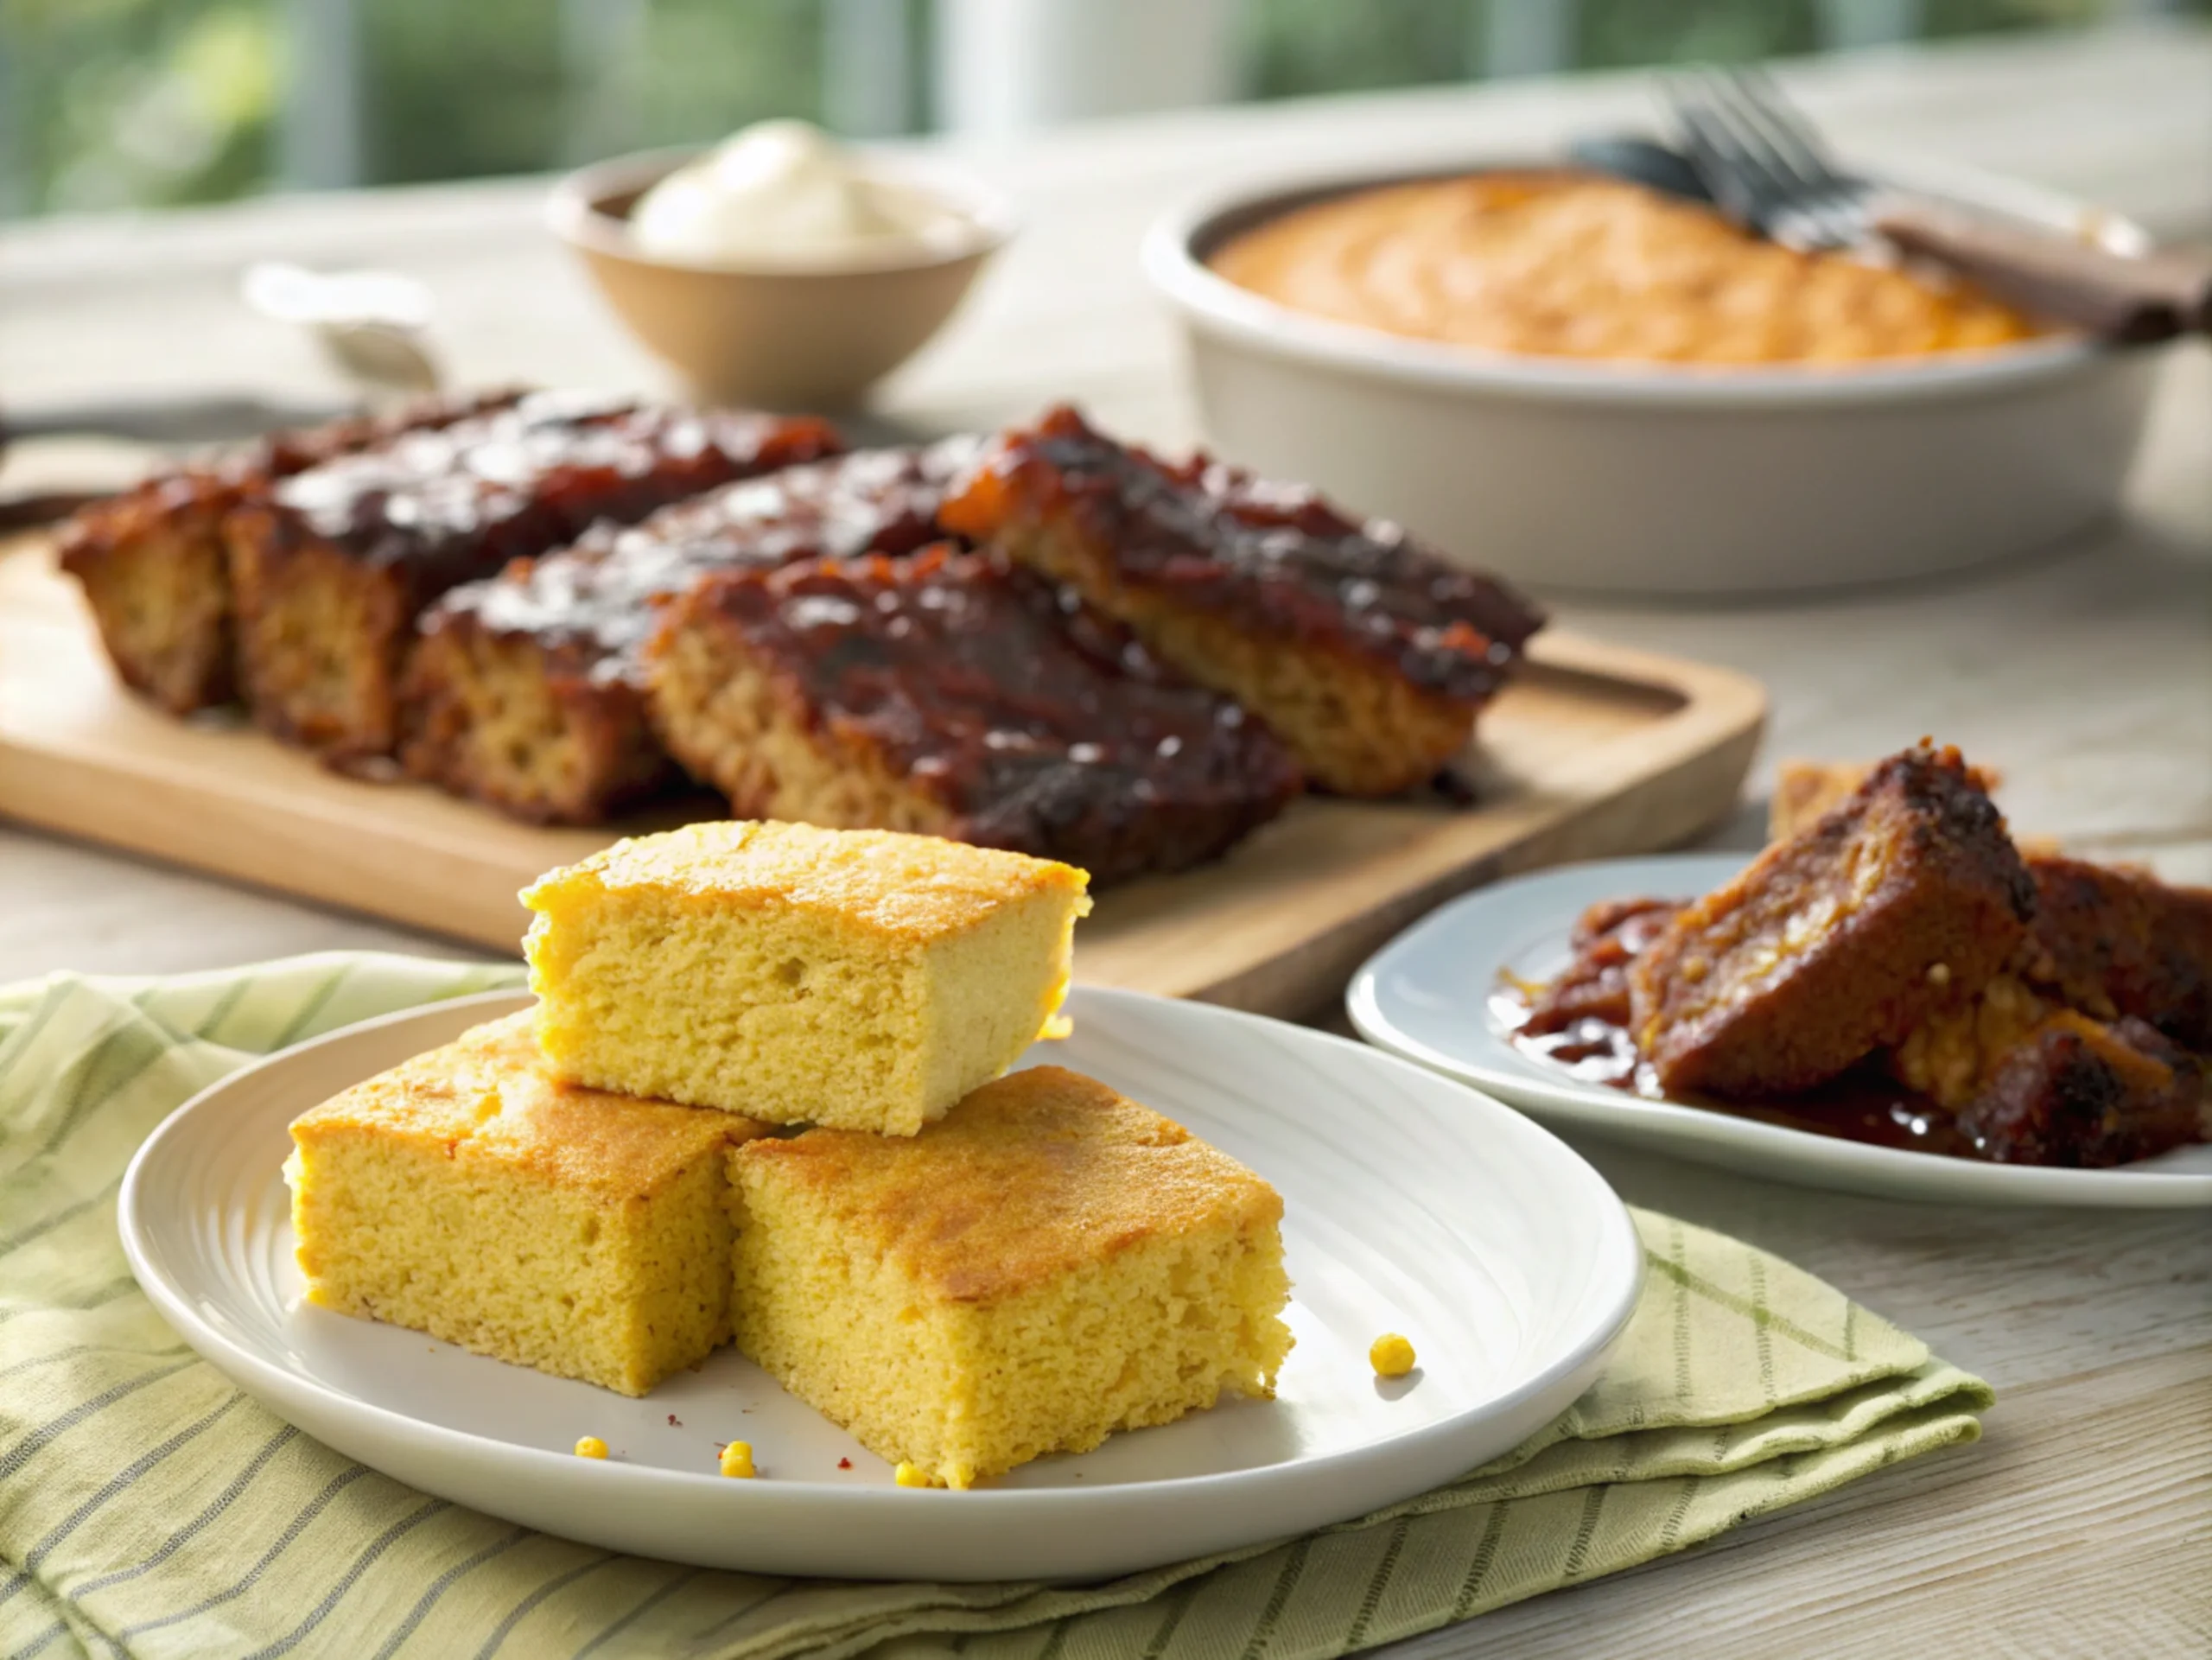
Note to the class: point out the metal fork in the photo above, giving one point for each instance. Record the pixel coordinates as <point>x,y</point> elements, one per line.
<point>1763,161</point>
<point>1765,167</point>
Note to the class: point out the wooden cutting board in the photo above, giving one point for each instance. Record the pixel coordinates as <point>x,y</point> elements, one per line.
<point>1596,749</point>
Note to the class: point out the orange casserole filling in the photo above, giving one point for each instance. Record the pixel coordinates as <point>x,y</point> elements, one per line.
<point>1563,264</point>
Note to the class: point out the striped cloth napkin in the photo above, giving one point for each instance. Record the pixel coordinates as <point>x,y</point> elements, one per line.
<point>149,1508</point>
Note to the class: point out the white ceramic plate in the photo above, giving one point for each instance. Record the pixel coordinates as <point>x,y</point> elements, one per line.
<point>1426,995</point>
<point>1413,1205</point>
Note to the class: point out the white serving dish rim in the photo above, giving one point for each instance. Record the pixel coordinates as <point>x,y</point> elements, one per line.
<point>1223,307</point>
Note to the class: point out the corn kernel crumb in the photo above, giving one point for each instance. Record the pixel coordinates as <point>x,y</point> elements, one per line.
<point>591,1447</point>
<point>737,1460</point>
<point>1391,1356</point>
<point>911,1475</point>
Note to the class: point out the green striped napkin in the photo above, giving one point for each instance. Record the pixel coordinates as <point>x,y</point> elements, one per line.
<point>148,1507</point>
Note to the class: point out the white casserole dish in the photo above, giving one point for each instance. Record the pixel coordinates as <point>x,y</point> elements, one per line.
<point>1654,478</point>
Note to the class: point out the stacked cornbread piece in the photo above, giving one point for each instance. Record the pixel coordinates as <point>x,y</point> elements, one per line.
<point>762,1095</point>
<point>564,607</point>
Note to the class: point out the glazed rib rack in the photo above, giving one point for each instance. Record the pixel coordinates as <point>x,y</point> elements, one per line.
<point>560,605</point>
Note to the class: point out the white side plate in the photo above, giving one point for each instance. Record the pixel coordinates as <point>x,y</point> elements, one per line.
<point>1426,995</point>
<point>1413,1205</point>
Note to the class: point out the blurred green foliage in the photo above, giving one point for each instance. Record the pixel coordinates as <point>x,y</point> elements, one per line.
<point>486,87</point>
<point>109,103</point>
<point>1297,47</point>
<point>455,87</point>
<point>127,102</point>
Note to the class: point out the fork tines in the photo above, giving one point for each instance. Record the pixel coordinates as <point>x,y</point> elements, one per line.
<point>1763,161</point>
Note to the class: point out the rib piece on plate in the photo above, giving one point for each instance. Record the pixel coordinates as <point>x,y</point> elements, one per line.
<point>1902,902</point>
<point>2114,941</point>
<point>949,695</point>
<point>2082,1093</point>
<point>1367,654</point>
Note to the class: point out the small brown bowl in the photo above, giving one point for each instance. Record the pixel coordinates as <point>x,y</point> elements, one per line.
<point>782,335</point>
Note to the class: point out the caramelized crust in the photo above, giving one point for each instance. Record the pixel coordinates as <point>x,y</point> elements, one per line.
<point>331,568</point>
<point>1367,654</point>
<point>2086,1095</point>
<point>2115,942</point>
<point>2108,945</point>
<point>151,559</point>
<point>491,1090</point>
<point>1805,791</point>
<point>898,892</point>
<point>1899,904</point>
<point>528,690</point>
<point>1032,1178</point>
<point>950,696</point>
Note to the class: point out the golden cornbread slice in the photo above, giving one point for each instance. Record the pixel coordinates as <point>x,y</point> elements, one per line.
<point>469,1194</point>
<point>1048,1263</point>
<point>862,979</point>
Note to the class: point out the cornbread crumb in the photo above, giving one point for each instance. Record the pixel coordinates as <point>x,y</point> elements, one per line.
<point>1048,1263</point>
<point>590,1447</point>
<point>470,1195</point>
<point>737,1460</point>
<point>862,979</point>
<point>1391,1356</point>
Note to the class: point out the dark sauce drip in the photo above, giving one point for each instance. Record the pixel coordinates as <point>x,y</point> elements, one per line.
<point>1865,1104</point>
<point>1279,555</point>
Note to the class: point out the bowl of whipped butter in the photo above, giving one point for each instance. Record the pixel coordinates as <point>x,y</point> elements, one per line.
<point>781,268</point>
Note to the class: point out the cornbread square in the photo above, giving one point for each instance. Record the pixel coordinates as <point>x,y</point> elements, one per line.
<point>1047,1264</point>
<point>863,979</point>
<point>470,1194</point>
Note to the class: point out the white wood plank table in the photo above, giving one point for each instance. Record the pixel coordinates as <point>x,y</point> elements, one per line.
<point>2082,1524</point>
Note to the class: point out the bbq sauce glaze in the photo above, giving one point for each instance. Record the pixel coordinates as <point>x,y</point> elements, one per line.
<point>1865,1104</point>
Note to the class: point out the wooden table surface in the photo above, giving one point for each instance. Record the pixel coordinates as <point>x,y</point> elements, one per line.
<point>2082,1523</point>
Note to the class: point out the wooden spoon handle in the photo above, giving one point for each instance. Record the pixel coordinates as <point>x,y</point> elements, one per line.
<point>2118,296</point>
